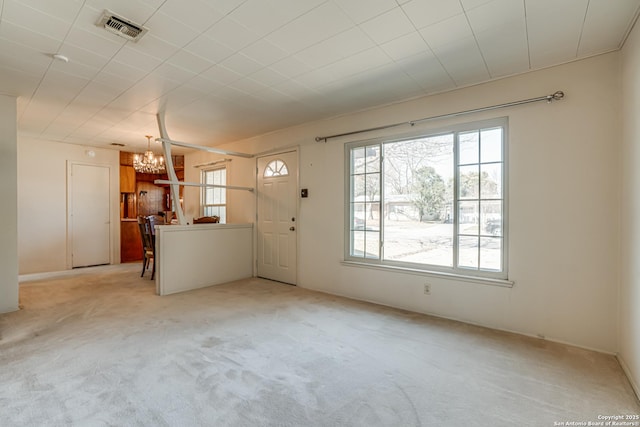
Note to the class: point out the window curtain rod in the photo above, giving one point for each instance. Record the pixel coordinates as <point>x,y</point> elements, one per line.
<point>556,96</point>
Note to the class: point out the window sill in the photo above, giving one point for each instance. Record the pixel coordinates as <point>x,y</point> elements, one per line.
<point>504,283</point>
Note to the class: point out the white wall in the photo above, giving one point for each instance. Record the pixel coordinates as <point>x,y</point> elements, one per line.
<point>564,166</point>
<point>9,211</point>
<point>42,201</point>
<point>240,204</point>
<point>630,231</point>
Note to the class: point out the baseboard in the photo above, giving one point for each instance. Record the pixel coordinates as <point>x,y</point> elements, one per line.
<point>627,372</point>
<point>468,322</point>
<point>30,277</point>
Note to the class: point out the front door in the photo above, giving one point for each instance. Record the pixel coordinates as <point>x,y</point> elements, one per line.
<point>89,215</point>
<point>277,217</point>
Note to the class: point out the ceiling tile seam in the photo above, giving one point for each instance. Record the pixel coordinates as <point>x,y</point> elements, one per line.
<point>62,43</point>
<point>368,19</point>
<point>375,45</point>
<point>93,115</point>
<point>200,74</point>
<point>475,38</point>
<point>284,24</point>
<point>35,91</point>
<point>293,54</point>
<point>526,29</point>
<point>451,79</point>
<point>384,51</point>
<point>159,98</point>
<point>632,24</point>
<point>263,38</point>
<point>147,74</point>
<point>92,80</point>
<point>584,20</point>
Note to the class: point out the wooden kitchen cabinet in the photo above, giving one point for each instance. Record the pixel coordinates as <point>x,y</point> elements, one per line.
<point>127,179</point>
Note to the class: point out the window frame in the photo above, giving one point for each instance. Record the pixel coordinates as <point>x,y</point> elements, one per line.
<point>203,197</point>
<point>475,275</point>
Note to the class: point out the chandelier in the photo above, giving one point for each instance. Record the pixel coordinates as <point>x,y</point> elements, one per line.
<point>148,162</point>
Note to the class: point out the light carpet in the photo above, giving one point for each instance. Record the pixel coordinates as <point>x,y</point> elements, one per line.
<point>97,347</point>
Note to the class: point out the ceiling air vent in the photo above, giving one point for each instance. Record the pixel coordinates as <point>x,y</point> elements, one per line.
<point>121,26</point>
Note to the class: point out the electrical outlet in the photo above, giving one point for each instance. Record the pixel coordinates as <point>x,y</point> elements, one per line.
<point>427,289</point>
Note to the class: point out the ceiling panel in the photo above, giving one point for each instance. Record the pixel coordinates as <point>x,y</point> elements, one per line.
<point>171,72</point>
<point>221,74</point>
<point>447,32</point>
<point>171,30</point>
<point>335,48</point>
<point>60,86</point>
<point>34,20</point>
<point>554,30</point>
<point>248,85</point>
<point>291,67</point>
<point>456,47</point>
<point>136,59</point>
<point>232,34</point>
<point>264,52</point>
<point>315,26</point>
<point>30,39</point>
<point>268,77</point>
<point>471,4</point>
<point>125,71</point>
<point>116,82</point>
<point>154,46</point>
<point>600,32</point>
<point>388,26</point>
<point>13,55</point>
<point>504,49</point>
<point>241,64</point>
<point>405,46</point>
<point>199,15</point>
<point>366,60</point>
<point>93,41</point>
<point>484,17</point>
<point>211,64</point>
<point>136,11</point>
<point>297,90</point>
<point>189,61</point>
<point>363,10</point>
<point>462,61</point>
<point>428,12</point>
<point>503,46</point>
<point>263,18</point>
<point>15,82</point>
<point>65,10</point>
<point>427,71</point>
<point>95,94</point>
<point>209,49</point>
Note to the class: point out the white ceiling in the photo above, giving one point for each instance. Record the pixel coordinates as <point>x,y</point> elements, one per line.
<point>229,69</point>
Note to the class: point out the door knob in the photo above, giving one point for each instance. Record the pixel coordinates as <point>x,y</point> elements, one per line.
<point>292,229</point>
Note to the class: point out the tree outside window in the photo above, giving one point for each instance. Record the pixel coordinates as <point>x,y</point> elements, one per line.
<point>433,202</point>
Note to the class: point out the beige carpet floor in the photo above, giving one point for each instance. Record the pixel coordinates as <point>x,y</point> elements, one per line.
<point>96,347</point>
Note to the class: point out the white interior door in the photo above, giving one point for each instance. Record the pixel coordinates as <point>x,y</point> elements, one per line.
<point>89,215</point>
<point>277,216</point>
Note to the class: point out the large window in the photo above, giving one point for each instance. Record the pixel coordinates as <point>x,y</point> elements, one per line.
<point>433,202</point>
<point>214,199</point>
